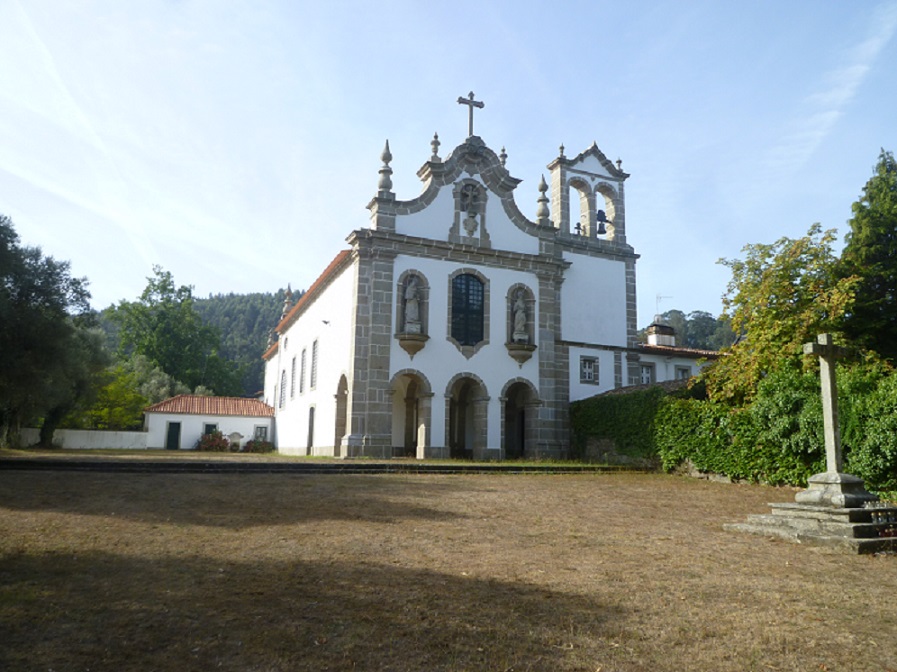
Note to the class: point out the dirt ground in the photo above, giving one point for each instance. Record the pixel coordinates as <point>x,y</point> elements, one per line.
<point>283,572</point>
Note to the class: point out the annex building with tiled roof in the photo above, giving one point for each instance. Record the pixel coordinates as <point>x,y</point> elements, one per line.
<point>180,421</point>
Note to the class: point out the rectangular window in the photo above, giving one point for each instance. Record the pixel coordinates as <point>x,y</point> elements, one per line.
<point>209,427</point>
<point>683,372</point>
<point>313,377</point>
<point>293,378</point>
<point>588,370</point>
<point>260,433</point>
<point>302,374</point>
<point>283,389</point>
<point>647,374</point>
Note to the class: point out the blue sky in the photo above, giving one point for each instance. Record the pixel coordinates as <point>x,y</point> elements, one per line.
<point>237,144</point>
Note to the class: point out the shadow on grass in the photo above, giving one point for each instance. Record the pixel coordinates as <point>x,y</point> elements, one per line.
<point>102,611</point>
<point>237,501</point>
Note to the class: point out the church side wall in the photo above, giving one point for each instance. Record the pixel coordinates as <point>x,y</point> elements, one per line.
<point>327,322</point>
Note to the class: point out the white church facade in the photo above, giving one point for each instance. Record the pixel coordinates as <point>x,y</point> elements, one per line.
<point>455,326</point>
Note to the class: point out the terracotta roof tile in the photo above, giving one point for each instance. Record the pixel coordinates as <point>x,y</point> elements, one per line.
<point>196,405</point>
<point>676,350</point>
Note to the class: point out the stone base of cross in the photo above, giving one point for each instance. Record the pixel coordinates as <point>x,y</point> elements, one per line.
<point>843,491</point>
<point>832,487</point>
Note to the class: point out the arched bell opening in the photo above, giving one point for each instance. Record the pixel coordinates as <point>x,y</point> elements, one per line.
<point>582,206</point>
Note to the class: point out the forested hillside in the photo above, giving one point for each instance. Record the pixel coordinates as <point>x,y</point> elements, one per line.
<point>244,321</point>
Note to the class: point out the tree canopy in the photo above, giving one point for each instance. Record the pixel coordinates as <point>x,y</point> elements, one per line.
<point>870,254</point>
<point>245,322</point>
<point>48,357</point>
<point>780,296</point>
<point>164,326</point>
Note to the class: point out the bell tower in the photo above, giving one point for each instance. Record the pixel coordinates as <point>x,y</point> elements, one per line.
<point>598,183</point>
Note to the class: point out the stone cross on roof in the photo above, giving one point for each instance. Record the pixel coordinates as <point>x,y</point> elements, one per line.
<point>828,352</point>
<point>471,103</point>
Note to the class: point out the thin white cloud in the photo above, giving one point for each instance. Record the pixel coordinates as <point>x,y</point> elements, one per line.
<point>38,92</point>
<point>824,107</point>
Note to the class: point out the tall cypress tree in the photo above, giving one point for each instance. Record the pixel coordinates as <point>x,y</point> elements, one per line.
<point>871,254</point>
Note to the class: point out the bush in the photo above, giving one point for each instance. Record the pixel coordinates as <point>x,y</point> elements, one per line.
<point>788,430</point>
<point>872,437</point>
<point>257,446</point>
<point>712,437</point>
<point>215,442</point>
<point>626,419</point>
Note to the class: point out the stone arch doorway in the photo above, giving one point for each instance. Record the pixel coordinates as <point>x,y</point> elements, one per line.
<point>411,414</point>
<point>342,414</point>
<point>519,420</point>
<point>467,417</point>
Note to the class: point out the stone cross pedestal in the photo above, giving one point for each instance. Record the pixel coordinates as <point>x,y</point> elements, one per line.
<point>831,488</point>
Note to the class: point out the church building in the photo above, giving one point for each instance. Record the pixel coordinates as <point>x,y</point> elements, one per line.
<point>454,325</point>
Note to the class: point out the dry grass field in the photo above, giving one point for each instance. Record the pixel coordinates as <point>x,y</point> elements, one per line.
<point>621,572</point>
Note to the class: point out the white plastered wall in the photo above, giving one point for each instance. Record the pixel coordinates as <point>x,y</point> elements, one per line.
<point>329,321</point>
<point>192,427</point>
<point>435,221</point>
<point>665,365</point>
<point>605,377</point>
<point>594,301</point>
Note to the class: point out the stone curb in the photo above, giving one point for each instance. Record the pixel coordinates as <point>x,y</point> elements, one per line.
<point>346,467</point>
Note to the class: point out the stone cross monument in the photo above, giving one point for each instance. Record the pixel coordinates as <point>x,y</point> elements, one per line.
<point>828,352</point>
<point>831,488</point>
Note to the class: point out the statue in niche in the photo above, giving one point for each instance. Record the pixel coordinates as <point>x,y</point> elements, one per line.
<point>412,306</point>
<point>470,205</point>
<point>519,310</point>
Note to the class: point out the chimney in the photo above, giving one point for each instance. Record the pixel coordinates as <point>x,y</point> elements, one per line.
<point>660,333</point>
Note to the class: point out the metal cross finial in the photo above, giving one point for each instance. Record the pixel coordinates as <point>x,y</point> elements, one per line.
<point>471,103</point>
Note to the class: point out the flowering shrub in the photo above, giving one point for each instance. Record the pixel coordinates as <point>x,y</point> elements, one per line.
<point>212,443</point>
<point>258,446</point>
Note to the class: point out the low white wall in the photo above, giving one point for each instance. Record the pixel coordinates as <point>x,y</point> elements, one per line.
<point>88,438</point>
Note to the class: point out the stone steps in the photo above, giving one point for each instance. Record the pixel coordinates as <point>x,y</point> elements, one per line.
<point>849,529</point>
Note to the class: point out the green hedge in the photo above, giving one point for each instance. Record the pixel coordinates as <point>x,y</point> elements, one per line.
<point>778,439</point>
<point>625,419</point>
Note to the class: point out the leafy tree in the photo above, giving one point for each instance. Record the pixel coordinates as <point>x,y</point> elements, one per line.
<point>871,254</point>
<point>73,379</point>
<point>164,326</point>
<point>780,296</point>
<point>118,404</point>
<point>46,358</point>
<point>245,321</point>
